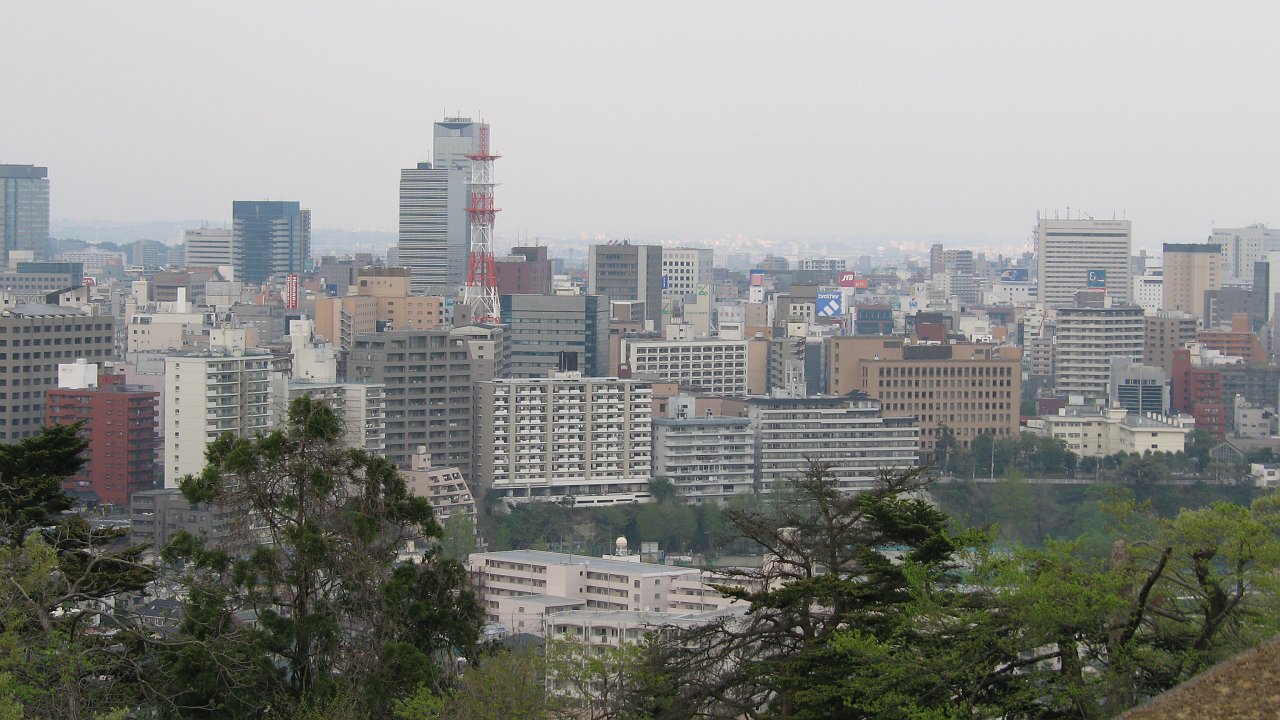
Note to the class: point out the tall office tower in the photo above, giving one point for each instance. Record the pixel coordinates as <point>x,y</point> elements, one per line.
<point>1190,270</point>
<point>272,237</point>
<point>566,438</point>
<point>1077,254</point>
<point>1241,248</point>
<point>24,210</point>
<point>427,375</point>
<point>210,247</point>
<point>550,333</point>
<point>936,259</point>
<point>120,424</point>
<point>40,337</point>
<point>684,269</point>
<point>629,272</point>
<point>226,389</point>
<point>1087,340</point>
<point>435,236</point>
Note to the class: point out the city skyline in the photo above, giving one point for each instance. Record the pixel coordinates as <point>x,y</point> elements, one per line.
<point>714,120</point>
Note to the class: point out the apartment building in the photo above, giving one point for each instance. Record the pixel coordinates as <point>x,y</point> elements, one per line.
<point>1239,341</point>
<point>361,407</point>
<point>427,376</point>
<point>969,389</point>
<point>1162,334</point>
<point>715,365</point>
<point>35,339</point>
<point>566,438</point>
<point>443,487</point>
<point>157,516</point>
<point>382,301</point>
<point>1087,340</point>
<point>227,389</point>
<point>708,459</point>
<point>849,433</point>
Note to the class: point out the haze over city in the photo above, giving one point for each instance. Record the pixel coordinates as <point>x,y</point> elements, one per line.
<point>660,121</point>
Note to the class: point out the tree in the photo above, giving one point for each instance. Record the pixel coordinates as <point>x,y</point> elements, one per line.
<point>502,684</point>
<point>332,612</point>
<point>826,568</point>
<point>663,490</point>
<point>458,539</point>
<point>31,475</point>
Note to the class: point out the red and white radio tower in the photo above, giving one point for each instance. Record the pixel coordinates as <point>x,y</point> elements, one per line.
<point>481,291</point>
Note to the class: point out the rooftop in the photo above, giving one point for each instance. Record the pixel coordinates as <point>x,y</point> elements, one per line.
<point>621,567</point>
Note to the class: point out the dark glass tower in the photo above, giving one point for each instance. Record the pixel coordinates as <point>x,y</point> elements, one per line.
<point>272,237</point>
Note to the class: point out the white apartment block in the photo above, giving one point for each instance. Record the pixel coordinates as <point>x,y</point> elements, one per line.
<point>684,269</point>
<point>1148,290</point>
<point>848,432</point>
<point>1241,248</point>
<point>208,394</point>
<point>715,365</point>
<point>821,264</point>
<point>541,580</point>
<point>1069,251</point>
<point>1090,432</point>
<point>707,459</point>
<point>209,247</point>
<point>1086,340</point>
<point>565,438</point>
<point>362,408</point>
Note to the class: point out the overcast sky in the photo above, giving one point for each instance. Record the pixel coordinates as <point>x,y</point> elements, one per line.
<point>656,120</point>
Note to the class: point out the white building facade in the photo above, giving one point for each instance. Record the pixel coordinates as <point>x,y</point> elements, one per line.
<point>1086,340</point>
<point>715,365</point>
<point>1075,255</point>
<point>707,459</point>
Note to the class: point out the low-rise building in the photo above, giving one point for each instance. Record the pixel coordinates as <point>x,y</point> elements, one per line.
<point>1092,432</point>
<point>443,487</point>
<point>713,364</point>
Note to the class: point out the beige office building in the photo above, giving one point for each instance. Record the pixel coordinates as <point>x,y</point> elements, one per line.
<point>969,388</point>
<point>1190,270</point>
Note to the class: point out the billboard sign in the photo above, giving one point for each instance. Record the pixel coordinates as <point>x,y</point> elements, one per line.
<point>291,292</point>
<point>1097,279</point>
<point>1015,275</point>
<point>848,278</point>
<point>829,304</point>
<point>666,282</point>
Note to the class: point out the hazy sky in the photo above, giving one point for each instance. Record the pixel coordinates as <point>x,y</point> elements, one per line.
<point>654,119</point>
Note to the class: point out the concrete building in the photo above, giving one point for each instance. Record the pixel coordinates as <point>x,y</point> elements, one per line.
<point>1241,248</point>
<point>850,433</point>
<point>1148,290</point>
<point>1239,341</point>
<point>33,287</point>
<point>684,269</point>
<point>1162,334</point>
<point>526,271</point>
<point>566,438</point>
<point>553,333</point>
<point>1140,389</point>
<point>361,407</point>
<point>435,235</point>
<point>1077,254</point>
<point>1190,270</point>
<point>821,264</point>
<point>487,347</point>
<point>35,339</point>
<point>120,424</point>
<point>211,248</point>
<point>629,272</point>
<point>271,237</point>
<point>1086,341</point>
<point>427,375</point>
<point>969,389</point>
<point>959,270</point>
<point>715,365</point>
<point>24,211</point>
<point>157,516</point>
<point>708,459</point>
<point>443,487</point>
<point>383,300</point>
<point>1099,432</point>
<point>227,389</point>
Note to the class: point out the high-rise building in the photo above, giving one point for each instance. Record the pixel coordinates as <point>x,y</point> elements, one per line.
<point>959,269</point>
<point>226,389</point>
<point>713,364</point>
<point>24,210</point>
<point>40,337</point>
<point>272,237</point>
<point>1241,248</point>
<point>566,438</point>
<point>210,248</point>
<point>684,269</point>
<point>427,376</point>
<point>1190,270</point>
<point>526,271</point>
<point>435,236</point>
<point>708,459</point>
<point>1087,340</point>
<point>120,424</point>
<point>550,333</point>
<point>629,272</point>
<point>1079,254</point>
<point>1162,334</point>
<point>1138,388</point>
